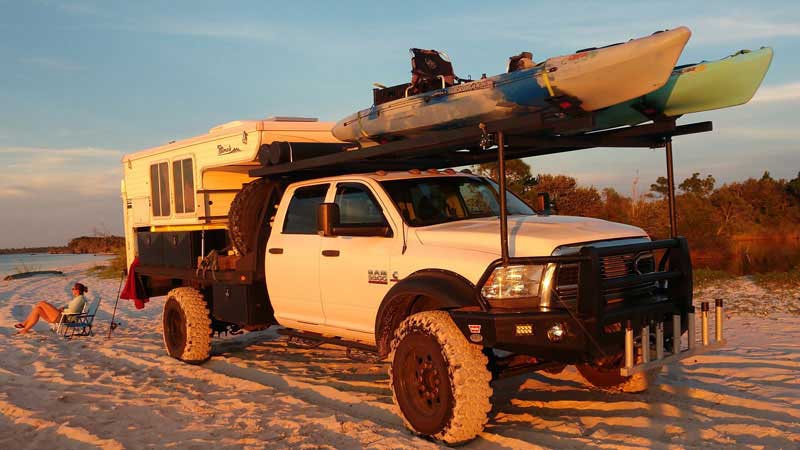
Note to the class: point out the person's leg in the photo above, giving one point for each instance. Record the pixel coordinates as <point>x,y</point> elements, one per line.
<point>42,309</point>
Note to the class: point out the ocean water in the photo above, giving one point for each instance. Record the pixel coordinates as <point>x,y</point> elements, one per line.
<point>28,262</point>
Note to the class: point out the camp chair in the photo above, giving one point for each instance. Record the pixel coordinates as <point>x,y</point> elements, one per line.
<point>78,324</point>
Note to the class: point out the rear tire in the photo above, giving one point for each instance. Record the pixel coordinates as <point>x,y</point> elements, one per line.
<point>187,325</point>
<point>439,380</point>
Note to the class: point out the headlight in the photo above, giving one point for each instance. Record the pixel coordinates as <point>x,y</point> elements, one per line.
<point>513,282</point>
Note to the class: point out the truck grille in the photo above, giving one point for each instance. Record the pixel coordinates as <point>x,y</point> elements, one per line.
<point>616,266</point>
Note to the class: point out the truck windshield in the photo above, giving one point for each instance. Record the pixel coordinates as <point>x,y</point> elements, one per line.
<point>429,201</point>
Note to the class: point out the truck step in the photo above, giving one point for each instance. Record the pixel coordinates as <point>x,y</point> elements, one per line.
<point>313,340</point>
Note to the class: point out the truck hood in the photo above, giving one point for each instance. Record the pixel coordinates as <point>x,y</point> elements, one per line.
<point>528,235</point>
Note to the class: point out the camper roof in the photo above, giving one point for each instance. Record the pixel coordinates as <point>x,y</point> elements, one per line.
<point>275,123</point>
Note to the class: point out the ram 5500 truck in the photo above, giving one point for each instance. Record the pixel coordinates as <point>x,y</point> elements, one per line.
<point>406,265</point>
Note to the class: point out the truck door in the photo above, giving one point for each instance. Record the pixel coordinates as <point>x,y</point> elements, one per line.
<point>292,259</point>
<point>354,270</point>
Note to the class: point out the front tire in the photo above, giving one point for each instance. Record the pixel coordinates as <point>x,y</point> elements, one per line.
<point>604,375</point>
<point>438,379</point>
<point>187,325</point>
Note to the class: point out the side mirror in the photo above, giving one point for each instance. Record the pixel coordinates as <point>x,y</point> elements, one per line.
<point>543,204</point>
<point>327,218</point>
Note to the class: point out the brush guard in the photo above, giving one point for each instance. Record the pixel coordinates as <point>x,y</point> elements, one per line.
<point>678,352</point>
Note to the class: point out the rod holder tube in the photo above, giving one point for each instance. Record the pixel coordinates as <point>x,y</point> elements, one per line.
<point>692,334</point>
<point>646,344</point>
<point>676,333</point>
<point>718,319</point>
<point>628,345</point>
<point>704,322</point>
<point>659,340</point>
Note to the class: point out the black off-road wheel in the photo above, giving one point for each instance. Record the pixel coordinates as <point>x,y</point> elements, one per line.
<point>245,213</point>
<point>439,379</point>
<point>187,325</point>
<point>604,375</point>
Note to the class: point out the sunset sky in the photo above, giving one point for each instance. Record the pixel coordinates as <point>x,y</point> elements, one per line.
<point>82,83</point>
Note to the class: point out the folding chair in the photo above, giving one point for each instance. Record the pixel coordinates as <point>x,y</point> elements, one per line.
<point>78,324</point>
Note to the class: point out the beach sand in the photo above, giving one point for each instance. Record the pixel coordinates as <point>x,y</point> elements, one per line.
<point>258,391</point>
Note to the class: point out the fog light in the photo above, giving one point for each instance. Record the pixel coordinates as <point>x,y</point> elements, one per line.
<point>557,332</point>
<point>524,329</point>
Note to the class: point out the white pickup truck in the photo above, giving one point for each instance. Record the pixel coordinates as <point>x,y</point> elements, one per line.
<point>404,265</point>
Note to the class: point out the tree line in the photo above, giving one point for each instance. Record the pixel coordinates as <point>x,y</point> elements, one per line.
<point>707,214</point>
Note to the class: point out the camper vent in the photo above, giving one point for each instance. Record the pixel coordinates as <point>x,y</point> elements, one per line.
<point>290,119</point>
<point>235,123</point>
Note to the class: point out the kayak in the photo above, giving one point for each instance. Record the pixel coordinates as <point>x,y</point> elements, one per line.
<point>589,79</point>
<point>704,86</point>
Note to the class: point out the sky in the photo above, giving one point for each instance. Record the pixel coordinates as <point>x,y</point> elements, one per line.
<point>83,83</point>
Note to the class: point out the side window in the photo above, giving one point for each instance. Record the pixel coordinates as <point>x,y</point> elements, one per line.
<point>183,185</point>
<point>357,206</point>
<point>159,189</point>
<point>301,216</point>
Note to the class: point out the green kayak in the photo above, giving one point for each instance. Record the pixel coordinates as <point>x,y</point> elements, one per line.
<point>704,86</point>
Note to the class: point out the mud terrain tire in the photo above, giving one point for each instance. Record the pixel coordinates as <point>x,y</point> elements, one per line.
<point>245,213</point>
<point>438,379</point>
<point>187,325</point>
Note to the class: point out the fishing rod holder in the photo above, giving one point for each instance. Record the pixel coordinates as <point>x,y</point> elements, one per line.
<point>655,341</point>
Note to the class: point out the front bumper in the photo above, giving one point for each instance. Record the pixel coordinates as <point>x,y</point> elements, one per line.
<point>598,328</point>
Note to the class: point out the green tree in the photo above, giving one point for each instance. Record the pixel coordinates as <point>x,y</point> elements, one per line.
<point>518,175</point>
<point>698,186</point>
<point>569,198</point>
<point>660,188</point>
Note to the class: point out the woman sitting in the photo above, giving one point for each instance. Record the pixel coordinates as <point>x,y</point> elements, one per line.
<point>52,314</point>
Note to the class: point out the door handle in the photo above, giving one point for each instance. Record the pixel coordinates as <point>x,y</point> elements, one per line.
<point>330,253</point>
<point>276,251</point>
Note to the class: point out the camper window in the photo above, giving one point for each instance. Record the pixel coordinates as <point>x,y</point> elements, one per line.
<point>183,185</point>
<point>159,189</point>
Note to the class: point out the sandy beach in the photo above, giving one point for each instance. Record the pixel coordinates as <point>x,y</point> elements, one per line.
<point>258,391</point>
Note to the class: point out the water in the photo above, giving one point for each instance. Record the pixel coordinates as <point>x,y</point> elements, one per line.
<point>752,256</point>
<point>11,264</point>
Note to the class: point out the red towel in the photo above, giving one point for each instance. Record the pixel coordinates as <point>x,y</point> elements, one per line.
<point>133,287</point>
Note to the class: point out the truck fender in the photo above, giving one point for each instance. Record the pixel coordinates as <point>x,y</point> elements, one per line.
<point>424,290</point>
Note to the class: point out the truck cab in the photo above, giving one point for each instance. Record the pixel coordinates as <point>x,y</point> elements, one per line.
<point>400,226</point>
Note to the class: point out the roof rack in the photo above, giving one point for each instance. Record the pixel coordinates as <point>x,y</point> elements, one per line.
<point>463,147</point>
<point>496,141</point>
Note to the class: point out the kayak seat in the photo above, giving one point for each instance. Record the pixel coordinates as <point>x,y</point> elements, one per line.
<point>430,70</point>
<point>387,94</point>
<point>520,62</point>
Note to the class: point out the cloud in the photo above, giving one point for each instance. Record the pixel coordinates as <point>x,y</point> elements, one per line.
<point>64,152</point>
<point>216,30</point>
<point>67,173</point>
<point>51,63</point>
<point>764,134</point>
<point>715,30</point>
<point>778,93</point>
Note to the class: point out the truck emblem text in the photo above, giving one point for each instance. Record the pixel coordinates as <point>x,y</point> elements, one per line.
<point>377,277</point>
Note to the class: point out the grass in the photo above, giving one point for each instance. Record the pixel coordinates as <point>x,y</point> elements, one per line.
<point>114,269</point>
<point>707,277</point>
<point>24,268</point>
<point>779,280</point>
